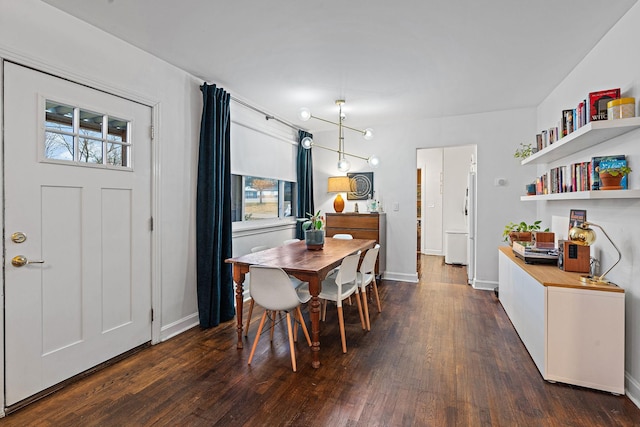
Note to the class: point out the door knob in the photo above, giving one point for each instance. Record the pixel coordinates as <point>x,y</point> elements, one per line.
<point>21,260</point>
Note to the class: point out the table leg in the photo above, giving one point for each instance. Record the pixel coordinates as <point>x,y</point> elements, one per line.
<point>314,289</point>
<point>238,277</point>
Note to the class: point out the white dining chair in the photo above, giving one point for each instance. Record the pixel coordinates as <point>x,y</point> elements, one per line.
<point>340,236</point>
<point>297,283</point>
<point>271,288</point>
<point>340,287</point>
<point>366,277</point>
<point>343,236</point>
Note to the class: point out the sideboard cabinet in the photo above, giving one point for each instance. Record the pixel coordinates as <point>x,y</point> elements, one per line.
<point>573,331</point>
<point>361,226</point>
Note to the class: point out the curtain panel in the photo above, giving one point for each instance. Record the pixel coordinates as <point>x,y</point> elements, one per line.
<point>213,210</point>
<point>305,182</point>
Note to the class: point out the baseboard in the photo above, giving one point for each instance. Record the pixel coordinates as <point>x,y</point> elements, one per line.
<point>400,277</point>
<point>633,389</point>
<point>179,326</point>
<point>484,285</point>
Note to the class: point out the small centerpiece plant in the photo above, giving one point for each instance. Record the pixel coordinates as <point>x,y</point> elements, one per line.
<point>313,231</point>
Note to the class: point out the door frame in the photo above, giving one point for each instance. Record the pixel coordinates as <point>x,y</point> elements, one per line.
<point>156,289</point>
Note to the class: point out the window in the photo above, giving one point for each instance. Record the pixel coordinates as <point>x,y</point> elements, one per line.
<point>85,137</point>
<point>255,198</point>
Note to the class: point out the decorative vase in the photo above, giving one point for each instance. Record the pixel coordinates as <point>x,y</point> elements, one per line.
<point>610,182</point>
<point>314,239</point>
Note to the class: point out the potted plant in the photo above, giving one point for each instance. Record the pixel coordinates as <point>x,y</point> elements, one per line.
<point>520,231</point>
<point>610,177</point>
<point>524,151</point>
<point>313,231</point>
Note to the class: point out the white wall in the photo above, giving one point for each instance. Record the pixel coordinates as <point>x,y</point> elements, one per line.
<point>612,63</point>
<point>496,134</point>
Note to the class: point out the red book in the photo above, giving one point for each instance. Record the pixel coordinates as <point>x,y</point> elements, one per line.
<point>598,103</point>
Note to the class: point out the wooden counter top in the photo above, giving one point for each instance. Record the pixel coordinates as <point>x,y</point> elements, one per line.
<point>550,275</point>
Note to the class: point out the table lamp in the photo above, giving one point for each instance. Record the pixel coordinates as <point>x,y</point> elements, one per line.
<point>338,184</point>
<point>584,235</point>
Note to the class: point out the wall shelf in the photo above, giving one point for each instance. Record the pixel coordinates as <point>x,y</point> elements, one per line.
<point>585,195</point>
<point>593,133</point>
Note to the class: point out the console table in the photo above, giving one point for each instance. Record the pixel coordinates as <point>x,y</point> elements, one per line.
<point>574,331</point>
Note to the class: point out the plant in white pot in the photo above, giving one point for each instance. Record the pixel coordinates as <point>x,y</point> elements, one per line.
<point>313,231</point>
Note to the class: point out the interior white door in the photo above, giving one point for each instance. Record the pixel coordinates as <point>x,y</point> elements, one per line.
<point>83,294</point>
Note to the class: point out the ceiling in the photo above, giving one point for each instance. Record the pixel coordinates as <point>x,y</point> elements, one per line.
<point>390,61</point>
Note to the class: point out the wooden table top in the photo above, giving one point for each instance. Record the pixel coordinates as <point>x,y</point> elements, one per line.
<point>296,257</point>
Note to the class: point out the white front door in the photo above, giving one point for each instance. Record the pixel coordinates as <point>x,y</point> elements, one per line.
<point>77,209</point>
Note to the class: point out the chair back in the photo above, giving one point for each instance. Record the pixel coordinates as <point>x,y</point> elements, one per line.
<point>289,241</point>
<point>369,261</point>
<point>271,288</point>
<point>343,236</point>
<point>348,269</point>
<point>259,248</point>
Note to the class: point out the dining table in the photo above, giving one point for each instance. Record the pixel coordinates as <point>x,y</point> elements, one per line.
<point>308,265</point>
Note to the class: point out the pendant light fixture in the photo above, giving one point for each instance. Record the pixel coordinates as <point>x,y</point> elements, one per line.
<point>343,163</point>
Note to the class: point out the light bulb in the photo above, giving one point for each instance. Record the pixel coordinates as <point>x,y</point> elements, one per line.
<point>368,134</point>
<point>344,165</point>
<point>306,142</point>
<point>304,114</point>
<point>373,161</point>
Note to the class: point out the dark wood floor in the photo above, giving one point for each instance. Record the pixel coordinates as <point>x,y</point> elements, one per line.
<point>440,354</point>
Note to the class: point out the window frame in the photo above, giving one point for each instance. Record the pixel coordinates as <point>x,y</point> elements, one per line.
<point>241,204</point>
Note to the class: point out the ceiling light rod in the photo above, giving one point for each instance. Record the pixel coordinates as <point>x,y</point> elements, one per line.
<point>305,114</point>
<point>339,152</point>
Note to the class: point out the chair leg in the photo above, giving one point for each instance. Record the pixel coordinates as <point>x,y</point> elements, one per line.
<point>246,329</point>
<point>257,338</point>
<point>366,308</point>
<point>273,323</point>
<point>342,336</point>
<point>375,291</point>
<point>324,310</point>
<point>291,346</point>
<point>359,304</point>
<point>304,326</point>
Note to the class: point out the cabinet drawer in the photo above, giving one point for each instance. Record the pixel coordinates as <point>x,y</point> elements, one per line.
<point>356,233</point>
<point>353,221</point>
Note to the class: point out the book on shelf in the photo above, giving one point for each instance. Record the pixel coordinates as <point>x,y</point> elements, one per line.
<point>567,122</point>
<point>577,217</point>
<point>598,103</point>
<point>596,163</point>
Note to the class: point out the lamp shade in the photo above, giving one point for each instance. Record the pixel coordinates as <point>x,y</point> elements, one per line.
<point>584,236</point>
<point>338,184</point>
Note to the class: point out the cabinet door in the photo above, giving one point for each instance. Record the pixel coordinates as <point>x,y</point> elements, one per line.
<point>585,338</point>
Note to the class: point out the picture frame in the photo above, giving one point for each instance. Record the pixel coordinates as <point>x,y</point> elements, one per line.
<point>361,185</point>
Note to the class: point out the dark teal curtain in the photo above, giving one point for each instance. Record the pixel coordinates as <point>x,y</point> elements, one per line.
<point>305,182</point>
<point>213,210</point>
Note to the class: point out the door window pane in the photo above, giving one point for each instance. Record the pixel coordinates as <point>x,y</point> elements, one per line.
<point>90,151</point>
<point>58,146</point>
<point>81,136</point>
